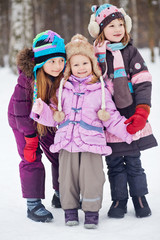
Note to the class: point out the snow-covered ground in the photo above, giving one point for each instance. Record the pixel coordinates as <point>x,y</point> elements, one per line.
<point>13,221</point>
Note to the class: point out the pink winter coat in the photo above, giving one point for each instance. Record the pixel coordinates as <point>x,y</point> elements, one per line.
<point>81,130</point>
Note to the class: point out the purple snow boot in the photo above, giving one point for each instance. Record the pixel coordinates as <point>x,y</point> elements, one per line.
<point>91,220</point>
<point>71,217</point>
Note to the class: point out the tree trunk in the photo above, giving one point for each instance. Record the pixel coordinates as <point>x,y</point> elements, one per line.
<point>134,22</point>
<point>37,16</point>
<point>124,4</point>
<point>151,29</point>
<point>64,18</point>
<point>77,17</point>
<point>100,2</point>
<point>28,22</point>
<point>4,30</point>
<point>21,31</point>
<point>1,41</point>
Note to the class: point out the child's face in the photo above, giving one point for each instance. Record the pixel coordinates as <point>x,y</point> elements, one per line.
<point>80,66</point>
<point>54,66</point>
<point>114,31</point>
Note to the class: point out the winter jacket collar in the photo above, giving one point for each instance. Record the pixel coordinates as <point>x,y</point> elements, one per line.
<point>71,83</point>
<point>25,62</point>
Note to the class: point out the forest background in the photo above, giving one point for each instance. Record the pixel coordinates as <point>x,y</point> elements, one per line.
<point>21,20</point>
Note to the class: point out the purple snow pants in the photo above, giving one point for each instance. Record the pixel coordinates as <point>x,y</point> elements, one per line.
<point>32,175</point>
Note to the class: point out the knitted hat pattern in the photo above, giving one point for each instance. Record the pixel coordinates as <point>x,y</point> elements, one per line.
<point>103,15</point>
<point>80,45</point>
<point>46,45</point>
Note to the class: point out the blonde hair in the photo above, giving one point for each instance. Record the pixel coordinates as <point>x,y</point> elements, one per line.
<point>46,90</point>
<point>101,37</point>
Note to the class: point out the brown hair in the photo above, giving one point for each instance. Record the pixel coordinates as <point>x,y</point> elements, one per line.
<point>46,90</point>
<point>101,37</point>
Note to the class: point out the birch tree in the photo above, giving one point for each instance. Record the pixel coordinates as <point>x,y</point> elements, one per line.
<point>21,32</point>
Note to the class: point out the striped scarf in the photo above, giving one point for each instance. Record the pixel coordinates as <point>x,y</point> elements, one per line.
<point>122,88</point>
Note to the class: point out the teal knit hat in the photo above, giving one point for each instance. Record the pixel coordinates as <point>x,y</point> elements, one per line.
<point>46,45</point>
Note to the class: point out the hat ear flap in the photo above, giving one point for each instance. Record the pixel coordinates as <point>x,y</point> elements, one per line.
<point>127,19</point>
<point>93,27</point>
<point>128,23</point>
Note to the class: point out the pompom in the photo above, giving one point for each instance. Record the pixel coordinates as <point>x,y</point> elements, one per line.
<point>94,8</point>
<point>103,115</point>
<point>78,37</point>
<point>59,116</point>
<point>93,27</point>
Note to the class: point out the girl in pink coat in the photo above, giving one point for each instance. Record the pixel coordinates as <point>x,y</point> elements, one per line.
<point>84,108</point>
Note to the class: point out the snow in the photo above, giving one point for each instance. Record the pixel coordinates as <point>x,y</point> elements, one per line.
<point>13,221</point>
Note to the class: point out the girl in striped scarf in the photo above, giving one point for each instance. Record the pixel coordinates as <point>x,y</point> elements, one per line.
<point>127,78</point>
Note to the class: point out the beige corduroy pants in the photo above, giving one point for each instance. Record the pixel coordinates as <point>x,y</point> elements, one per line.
<point>81,174</point>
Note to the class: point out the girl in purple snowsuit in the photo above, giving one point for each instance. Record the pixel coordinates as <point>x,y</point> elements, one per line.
<point>48,48</point>
<point>84,107</point>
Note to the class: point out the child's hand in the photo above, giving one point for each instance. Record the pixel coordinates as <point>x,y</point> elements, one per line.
<point>38,106</point>
<point>137,121</point>
<point>30,148</point>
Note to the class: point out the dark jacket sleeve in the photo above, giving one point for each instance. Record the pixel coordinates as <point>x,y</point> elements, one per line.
<point>140,77</point>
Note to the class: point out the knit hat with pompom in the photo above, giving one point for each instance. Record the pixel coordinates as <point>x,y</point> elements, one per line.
<point>103,15</point>
<point>46,45</point>
<point>79,45</point>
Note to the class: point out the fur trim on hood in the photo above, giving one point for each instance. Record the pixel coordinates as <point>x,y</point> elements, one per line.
<point>80,45</point>
<point>25,61</point>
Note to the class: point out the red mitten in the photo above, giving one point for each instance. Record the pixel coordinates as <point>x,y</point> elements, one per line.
<point>137,121</point>
<point>31,148</point>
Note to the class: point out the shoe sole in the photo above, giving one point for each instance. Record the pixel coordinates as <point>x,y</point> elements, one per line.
<point>90,226</point>
<point>47,219</point>
<point>117,216</point>
<point>138,216</point>
<point>72,223</point>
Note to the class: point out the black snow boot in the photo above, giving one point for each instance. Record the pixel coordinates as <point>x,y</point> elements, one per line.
<point>37,211</point>
<point>141,207</point>
<point>118,209</point>
<point>56,200</point>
